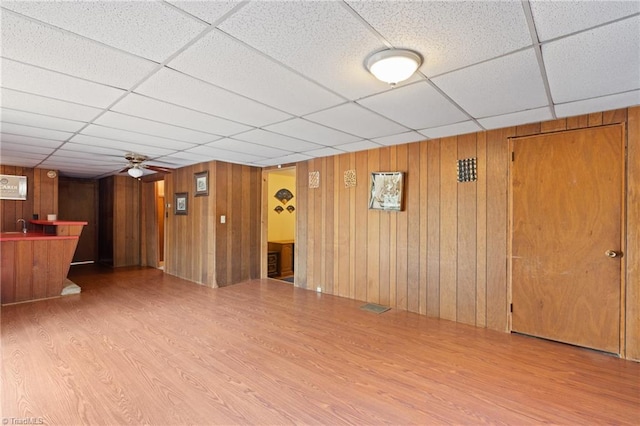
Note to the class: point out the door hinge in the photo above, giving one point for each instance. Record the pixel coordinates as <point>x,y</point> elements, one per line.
<point>511,307</point>
<point>513,156</point>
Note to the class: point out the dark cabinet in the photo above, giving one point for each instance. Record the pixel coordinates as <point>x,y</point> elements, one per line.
<point>285,250</point>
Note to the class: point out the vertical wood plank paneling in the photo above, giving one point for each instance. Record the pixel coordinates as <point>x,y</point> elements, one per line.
<point>384,266</point>
<point>412,187</point>
<point>311,224</point>
<point>223,233</point>
<point>433,225</point>
<point>424,220</point>
<point>615,116</point>
<point>24,274</point>
<point>328,206</point>
<point>595,119</point>
<point>343,226</point>
<point>373,239</point>
<point>467,238</point>
<point>7,271</point>
<point>302,225</point>
<point>245,223</point>
<point>352,223</point>
<point>497,222</point>
<point>481,236</point>
<point>553,125</point>
<point>389,297</point>
<point>577,122</point>
<point>402,252</point>
<point>448,228</point>
<point>339,282</point>
<point>39,270</point>
<point>528,129</point>
<point>58,266</point>
<point>236,224</point>
<point>361,219</point>
<point>633,236</point>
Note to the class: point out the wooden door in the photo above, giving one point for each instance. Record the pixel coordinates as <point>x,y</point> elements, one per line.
<point>566,215</point>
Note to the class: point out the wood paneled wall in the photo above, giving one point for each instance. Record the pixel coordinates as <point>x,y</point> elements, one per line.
<point>200,248</point>
<point>42,197</point>
<point>445,254</point>
<point>149,237</point>
<point>119,221</point>
<point>78,200</point>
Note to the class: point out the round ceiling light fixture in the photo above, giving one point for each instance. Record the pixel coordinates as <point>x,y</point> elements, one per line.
<point>393,65</point>
<point>135,171</point>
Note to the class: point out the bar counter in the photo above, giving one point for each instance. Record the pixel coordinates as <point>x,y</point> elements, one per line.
<point>35,265</point>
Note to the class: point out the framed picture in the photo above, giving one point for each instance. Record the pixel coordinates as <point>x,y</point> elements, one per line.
<point>202,183</point>
<point>13,187</point>
<point>180,203</point>
<point>386,191</point>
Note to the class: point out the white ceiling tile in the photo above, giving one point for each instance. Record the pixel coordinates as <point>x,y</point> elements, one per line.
<point>141,125</point>
<point>6,147</point>
<point>21,154</point>
<point>416,106</point>
<point>39,120</point>
<point>604,103</point>
<point>508,84</point>
<point>148,150</point>
<point>451,130</point>
<point>400,138</point>
<point>274,140</point>
<point>149,29</point>
<point>174,87</point>
<point>20,161</point>
<point>240,146</point>
<point>208,11</point>
<point>303,129</point>
<point>324,152</point>
<point>36,132</point>
<point>558,18</point>
<point>227,63</point>
<point>140,138</point>
<point>141,106</point>
<point>449,34</point>
<point>516,118</point>
<point>89,148</point>
<point>322,40</point>
<point>47,106</point>
<point>42,82</point>
<point>209,153</point>
<point>594,63</point>
<point>287,159</point>
<point>183,157</point>
<point>354,119</point>
<point>358,146</point>
<point>61,157</point>
<point>27,41</point>
<point>29,140</point>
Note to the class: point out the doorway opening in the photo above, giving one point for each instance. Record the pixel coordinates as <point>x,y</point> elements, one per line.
<point>280,222</point>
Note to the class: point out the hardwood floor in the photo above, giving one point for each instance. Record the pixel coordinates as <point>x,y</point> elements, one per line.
<point>141,347</point>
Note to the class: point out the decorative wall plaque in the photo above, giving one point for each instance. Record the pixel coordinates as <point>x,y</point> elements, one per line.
<point>314,180</point>
<point>291,209</point>
<point>349,178</point>
<point>284,195</point>
<point>467,170</point>
<point>278,209</point>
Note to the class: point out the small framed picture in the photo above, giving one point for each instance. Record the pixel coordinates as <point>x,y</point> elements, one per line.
<point>180,203</point>
<point>386,191</point>
<point>202,183</point>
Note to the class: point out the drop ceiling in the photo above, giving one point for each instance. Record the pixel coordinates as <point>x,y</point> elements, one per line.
<point>267,83</point>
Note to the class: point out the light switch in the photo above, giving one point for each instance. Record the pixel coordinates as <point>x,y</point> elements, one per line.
<point>223,219</point>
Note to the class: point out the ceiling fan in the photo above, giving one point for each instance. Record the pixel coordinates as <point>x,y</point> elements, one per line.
<point>136,165</point>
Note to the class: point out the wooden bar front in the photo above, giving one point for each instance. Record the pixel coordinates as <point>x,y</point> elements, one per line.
<point>35,265</point>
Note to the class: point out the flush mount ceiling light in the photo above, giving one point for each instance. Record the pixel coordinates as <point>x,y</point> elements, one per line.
<point>135,171</point>
<point>393,65</point>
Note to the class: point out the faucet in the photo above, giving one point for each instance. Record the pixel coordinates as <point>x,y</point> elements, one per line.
<point>24,225</point>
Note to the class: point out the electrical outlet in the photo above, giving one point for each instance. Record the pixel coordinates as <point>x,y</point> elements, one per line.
<point>319,289</point>
<point>223,219</point>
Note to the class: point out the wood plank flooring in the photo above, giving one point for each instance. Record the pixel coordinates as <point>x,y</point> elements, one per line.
<point>141,347</point>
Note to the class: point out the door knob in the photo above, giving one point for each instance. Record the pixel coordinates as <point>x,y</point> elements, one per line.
<point>613,253</point>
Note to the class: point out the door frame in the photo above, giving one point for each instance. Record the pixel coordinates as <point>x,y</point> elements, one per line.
<point>264,217</point>
<point>623,239</point>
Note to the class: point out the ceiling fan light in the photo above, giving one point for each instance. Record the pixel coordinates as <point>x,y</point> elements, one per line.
<point>393,65</point>
<point>135,172</point>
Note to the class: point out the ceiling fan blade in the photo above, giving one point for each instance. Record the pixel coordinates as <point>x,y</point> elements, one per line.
<point>125,169</point>
<point>158,168</point>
